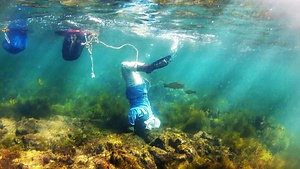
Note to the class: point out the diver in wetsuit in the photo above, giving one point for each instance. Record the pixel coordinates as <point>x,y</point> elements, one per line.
<point>140,113</point>
<point>73,43</point>
<point>16,32</point>
<point>15,37</point>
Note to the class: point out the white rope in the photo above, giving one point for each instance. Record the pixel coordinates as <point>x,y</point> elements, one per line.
<point>94,38</point>
<point>89,46</point>
<point>120,47</point>
<point>6,38</point>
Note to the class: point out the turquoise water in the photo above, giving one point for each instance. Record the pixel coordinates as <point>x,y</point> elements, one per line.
<point>235,56</point>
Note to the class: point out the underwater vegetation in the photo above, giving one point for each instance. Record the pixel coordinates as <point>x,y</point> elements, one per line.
<point>91,130</point>
<point>184,116</point>
<point>257,141</point>
<point>100,109</point>
<point>60,127</point>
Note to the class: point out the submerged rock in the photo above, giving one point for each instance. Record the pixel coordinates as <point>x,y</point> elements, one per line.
<point>62,142</point>
<point>3,130</point>
<point>26,126</point>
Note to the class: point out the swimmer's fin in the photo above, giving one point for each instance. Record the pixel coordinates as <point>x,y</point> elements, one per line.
<point>155,65</point>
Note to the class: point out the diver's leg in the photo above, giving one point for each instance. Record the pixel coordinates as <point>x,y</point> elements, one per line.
<point>139,125</point>
<point>130,74</point>
<point>140,128</point>
<point>155,65</point>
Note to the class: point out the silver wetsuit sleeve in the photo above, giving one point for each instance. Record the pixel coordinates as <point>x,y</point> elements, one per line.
<point>130,74</point>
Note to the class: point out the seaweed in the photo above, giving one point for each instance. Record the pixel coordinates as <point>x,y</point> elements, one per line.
<point>253,140</point>
<point>107,111</point>
<point>256,140</point>
<point>186,116</point>
<point>35,108</point>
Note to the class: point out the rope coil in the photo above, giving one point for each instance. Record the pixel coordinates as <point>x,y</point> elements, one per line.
<point>89,39</point>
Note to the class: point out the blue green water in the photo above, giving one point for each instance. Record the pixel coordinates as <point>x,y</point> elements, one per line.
<point>236,56</point>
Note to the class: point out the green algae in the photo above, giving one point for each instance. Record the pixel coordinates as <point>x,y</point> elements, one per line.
<point>110,111</point>
<point>186,116</point>
<point>23,107</point>
<point>104,110</point>
<point>9,141</point>
<point>258,141</point>
<point>7,108</point>
<point>244,124</point>
<point>168,148</point>
<point>255,140</point>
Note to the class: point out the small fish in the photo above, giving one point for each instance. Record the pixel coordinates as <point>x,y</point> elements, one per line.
<point>190,91</point>
<point>174,85</point>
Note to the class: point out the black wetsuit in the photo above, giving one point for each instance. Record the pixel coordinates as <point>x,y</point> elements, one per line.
<point>72,45</point>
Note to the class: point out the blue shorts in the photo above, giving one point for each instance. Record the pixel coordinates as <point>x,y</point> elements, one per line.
<point>139,103</point>
<point>139,112</point>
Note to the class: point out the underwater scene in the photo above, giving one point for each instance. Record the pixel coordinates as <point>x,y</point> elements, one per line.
<point>229,97</point>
